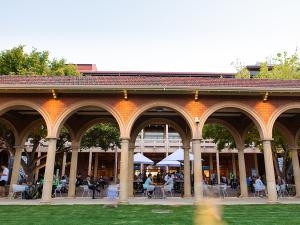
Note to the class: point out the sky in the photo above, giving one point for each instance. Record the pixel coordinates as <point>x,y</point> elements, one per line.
<point>154,35</point>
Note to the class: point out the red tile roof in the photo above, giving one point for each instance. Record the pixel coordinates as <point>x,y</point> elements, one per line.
<point>142,82</point>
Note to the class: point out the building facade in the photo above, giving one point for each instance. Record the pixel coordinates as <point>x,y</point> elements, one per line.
<point>184,102</point>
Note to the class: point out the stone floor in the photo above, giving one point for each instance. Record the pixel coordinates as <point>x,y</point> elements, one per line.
<point>146,201</point>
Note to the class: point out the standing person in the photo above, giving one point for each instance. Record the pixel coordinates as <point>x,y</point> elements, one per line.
<point>231,176</point>
<point>3,179</point>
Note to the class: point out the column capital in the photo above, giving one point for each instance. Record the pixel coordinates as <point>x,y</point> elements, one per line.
<point>75,148</point>
<point>186,148</point>
<point>294,148</point>
<point>125,138</point>
<point>196,139</point>
<point>51,138</point>
<point>267,139</point>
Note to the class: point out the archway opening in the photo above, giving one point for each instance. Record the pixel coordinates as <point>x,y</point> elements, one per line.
<point>95,134</point>
<point>285,133</point>
<point>157,133</point>
<point>230,148</point>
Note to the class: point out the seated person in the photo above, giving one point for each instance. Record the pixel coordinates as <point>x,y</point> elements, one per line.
<point>92,186</point>
<point>168,186</point>
<point>63,183</point>
<point>149,186</point>
<point>259,185</point>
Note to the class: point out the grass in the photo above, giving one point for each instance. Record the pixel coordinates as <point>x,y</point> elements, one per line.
<point>142,214</point>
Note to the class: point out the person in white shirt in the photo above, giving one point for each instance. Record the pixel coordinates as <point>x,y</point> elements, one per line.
<point>3,179</point>
<point>259,185</point>
<point>168,186</point>
<point>166,178</point>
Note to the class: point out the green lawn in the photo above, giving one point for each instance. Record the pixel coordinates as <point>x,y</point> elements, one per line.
<point>144,215</point>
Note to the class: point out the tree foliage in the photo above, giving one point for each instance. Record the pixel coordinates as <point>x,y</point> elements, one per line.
<point>220,135</point>
<point>103,135</point>
<point>36,139</point>
<point>282,66</point>
<point>16,61</point>
<point>223,138</point>
<point>242,71</point>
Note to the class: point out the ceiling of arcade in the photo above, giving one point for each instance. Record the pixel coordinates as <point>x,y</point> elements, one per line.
<point>21,117</point>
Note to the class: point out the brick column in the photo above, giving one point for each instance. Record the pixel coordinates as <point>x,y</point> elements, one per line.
<point>218,166</point>
<point>96,165</point>
<point>242,172</point>
<point>124,172</point>
<point>269,168</point>
<point>130,170</point>
<point>63,167</point>
<point>187,172</point>
<point>16,167</point>
<point>198,180</point>
<point>256,164</point>
<point>73,170</point>
<point>90,163</point>
<point>296,170</point>
<point>49,170</point>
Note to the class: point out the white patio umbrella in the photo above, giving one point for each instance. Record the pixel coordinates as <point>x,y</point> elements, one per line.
<point>178,155</point>
<point>141,159</point>
<point>173,163</point>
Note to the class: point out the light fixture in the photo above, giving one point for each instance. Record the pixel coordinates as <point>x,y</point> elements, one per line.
<point>125,95</point>
<point>54,94</point>
<point>196,95</point>
<point>266,97</point>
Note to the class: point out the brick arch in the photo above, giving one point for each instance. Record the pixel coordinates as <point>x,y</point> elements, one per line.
<point>89,125</point>
<point>12,128</point>
<point>12,104</point>
<point>142,125</point>
<point>26,131</point>
<point>82,104</point>
<point>277,113</point>
<point>235,134</point>
<point>185,115</point>
<point>257,120</point>
<point>284,131</point>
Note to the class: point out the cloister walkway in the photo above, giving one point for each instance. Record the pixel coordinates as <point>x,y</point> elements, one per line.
<point>144,201</point>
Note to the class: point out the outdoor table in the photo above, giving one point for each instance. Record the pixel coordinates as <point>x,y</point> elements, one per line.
<point>291,189</point>
<point>158,192</point>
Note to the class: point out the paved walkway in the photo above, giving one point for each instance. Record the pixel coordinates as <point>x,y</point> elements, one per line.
<point>145,201</point>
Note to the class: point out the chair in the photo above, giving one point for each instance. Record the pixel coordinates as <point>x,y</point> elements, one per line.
<point>18,190</point>
<point>283,190</point>
<point>85,190</point>
<point>223,190</point>
<point>169,190</point>
<point>258,190</point>
<point>58,190</point>
<point>147,190</point>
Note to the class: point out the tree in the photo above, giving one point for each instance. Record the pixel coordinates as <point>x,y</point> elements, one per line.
<point>103,135</point>
<point>223,138</point>
<point>37,138</point>
<point>242,71</point>
<point>16,61</point>
<point>282,66</point>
